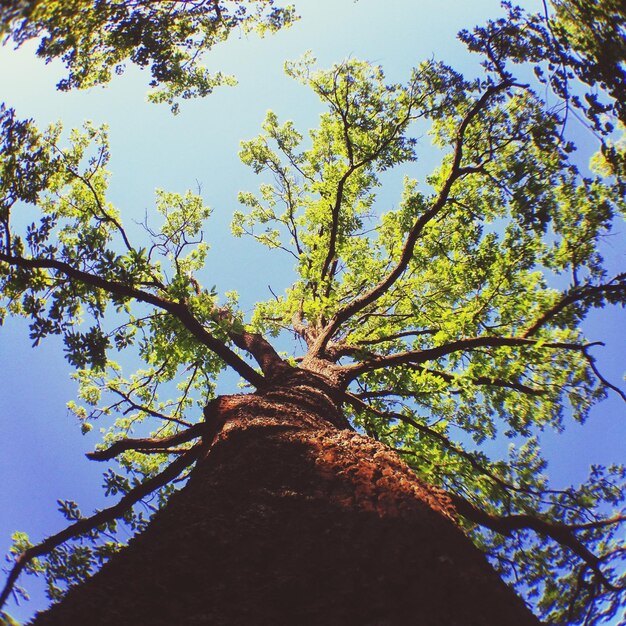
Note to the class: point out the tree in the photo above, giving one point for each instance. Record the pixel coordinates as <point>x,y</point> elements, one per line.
<point>596,34</point>
<point>436,315</point>
<point>96,39</point>
<point>578,40</point>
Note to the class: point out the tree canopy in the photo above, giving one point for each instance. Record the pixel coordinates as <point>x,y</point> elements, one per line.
<point>448,321</point>
<point>97,39</point>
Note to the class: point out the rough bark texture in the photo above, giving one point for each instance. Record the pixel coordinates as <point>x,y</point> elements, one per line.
<point>291,520</point>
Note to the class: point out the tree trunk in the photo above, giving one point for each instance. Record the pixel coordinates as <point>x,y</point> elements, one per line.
<point>290,519</point>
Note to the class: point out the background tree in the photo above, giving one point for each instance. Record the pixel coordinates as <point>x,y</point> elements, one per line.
<point>97,39</point>
<point>594,34</point>
<point>583,49</point>
<point>436,315</point>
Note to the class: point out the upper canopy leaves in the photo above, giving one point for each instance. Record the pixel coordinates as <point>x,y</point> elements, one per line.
<point>96,38</point>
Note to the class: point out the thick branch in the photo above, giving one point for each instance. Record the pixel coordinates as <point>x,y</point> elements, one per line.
<point>148,443</point>
<point>101,517</point>
<point>262,350</point>
<point>483,381</point>
<point>456,172</point>
<point>489,381</point>
<point>335,213</point>
<point>177,309</point>
<point>508,524</point>
<point>303,330</point>
<point>413,357</point>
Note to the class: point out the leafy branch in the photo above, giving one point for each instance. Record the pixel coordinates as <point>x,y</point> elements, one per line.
<point>415,357</point>
<point>563,534</point>
<point>179,310</point>
<point>456,172</point>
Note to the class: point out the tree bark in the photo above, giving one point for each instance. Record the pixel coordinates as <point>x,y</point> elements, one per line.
<point>292,519</point>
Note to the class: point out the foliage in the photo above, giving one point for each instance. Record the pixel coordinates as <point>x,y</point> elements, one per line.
<point>596,32</point>
<point>459,311</point>
<point>579,40</point>
<point>96,39</point>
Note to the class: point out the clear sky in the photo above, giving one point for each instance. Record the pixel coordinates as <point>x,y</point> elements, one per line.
<point>41,448</point>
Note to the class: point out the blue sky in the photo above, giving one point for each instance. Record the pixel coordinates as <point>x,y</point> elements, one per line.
<point>41,448</point>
